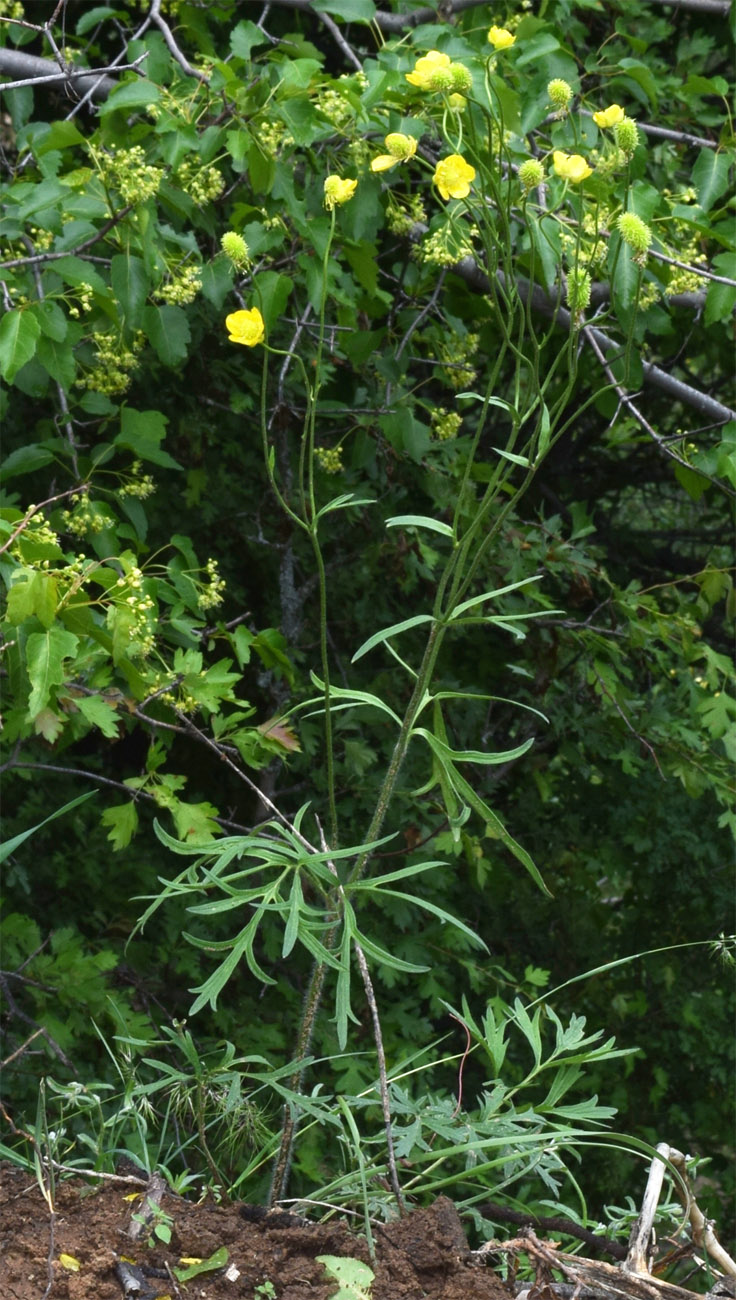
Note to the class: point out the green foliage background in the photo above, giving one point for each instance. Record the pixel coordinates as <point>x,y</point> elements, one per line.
<point>122,650</point>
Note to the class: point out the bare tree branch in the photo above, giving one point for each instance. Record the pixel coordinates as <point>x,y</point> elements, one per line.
<point>702,402</point>
<point>30,70</point>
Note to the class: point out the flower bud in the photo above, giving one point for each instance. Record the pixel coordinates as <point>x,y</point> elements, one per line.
<point>531,174</point>
<point>457,102</point>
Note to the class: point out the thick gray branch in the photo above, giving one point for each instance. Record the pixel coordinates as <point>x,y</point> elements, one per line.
<point>653,375</point>
<point>22,66</point>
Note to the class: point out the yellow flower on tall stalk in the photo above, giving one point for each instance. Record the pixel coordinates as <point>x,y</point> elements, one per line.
<point>245,327</point>
<point>426,69</point>
<point>338,191</point>
<point>453,177</point>
<point>400,149</point>
<point>501,38</point>
<point>571,166</point>
<point>610,116</point>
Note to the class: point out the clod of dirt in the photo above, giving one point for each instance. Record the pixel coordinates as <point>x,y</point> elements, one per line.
<point>420,1257</point>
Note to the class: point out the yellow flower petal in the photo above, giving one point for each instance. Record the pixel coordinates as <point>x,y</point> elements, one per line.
<point>453,177</point>
<point>245,327</point>
<point>571,166</point>
<point>383,162</point>
<point>71,1264</point>
<point>609,116</point>
<point>501,38</point>
<point>401,147</point>
<point>338,190</point>
<point>426,67</point>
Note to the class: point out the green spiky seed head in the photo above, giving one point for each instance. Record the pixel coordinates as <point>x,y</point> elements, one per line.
<point>531,174</point>
<point>560,93</point>
<point>626,135</point>
<point>634,232</point>
<point>235,248</point>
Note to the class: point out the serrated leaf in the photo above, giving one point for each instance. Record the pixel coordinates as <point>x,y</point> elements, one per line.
<point>49,725</point>
<point>142,432</point>
<point>19,333</point>
<point>195,822</point>
<point>46,653</point>
<point>51,318</point>
<point>168,331</point>
<point>122,820</point>
<point>130,285</point>
<point>99,713</point>
<point>58,360</point>
<point>132,94</point>
<point>245,37</point>
<point>25,460</point>
<point>710,176</point>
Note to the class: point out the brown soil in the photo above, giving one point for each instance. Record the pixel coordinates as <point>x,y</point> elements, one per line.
<point>423,1256</point>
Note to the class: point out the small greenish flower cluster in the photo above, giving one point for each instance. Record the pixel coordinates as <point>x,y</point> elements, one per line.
<point>455,355</point>
<point>273,136</point>
<point>578,290</point>
<point>359,151</point>
<point>203,184</point>
<point>86,516</point>
<point>400,218</point>
<point>113,366</point>
<point>648,295</point>
<point>681,280</point>
<point>41,239</point>
<point>210,592</point>
<point>183,286</point>
<point>11,9</point>
<point>37,530</point>
<point>337,109</point>
<point>236,250</point>
<point>445,424</point>
<point>446,246</point>
<point>126,171</point>
<point>329,459</point>
<point>84,297</point>
<point>139,485</point>
<point>138,605</point>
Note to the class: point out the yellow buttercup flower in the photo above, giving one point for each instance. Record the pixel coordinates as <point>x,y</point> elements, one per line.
<point>609,116</point>
<point>501,38</point>
<point>453,177</point>
<point>571,166</point>
<point>426,69</point>
<point>245,327</point>
<point>400,149</point>
<point>338,191</point>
